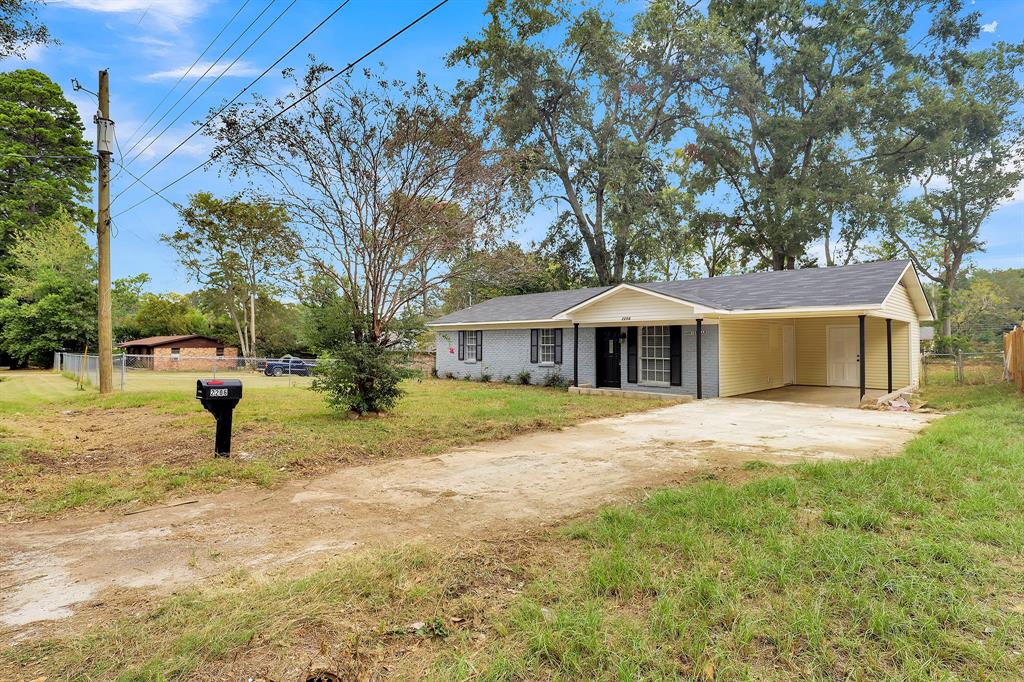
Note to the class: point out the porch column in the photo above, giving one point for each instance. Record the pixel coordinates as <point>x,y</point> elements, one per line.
<point>888,350</point>
<point>700,389</point>
<point>861,359</point>
<point>576,354</point>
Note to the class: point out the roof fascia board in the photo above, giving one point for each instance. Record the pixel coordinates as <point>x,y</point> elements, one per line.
<point>921,294</point>
<point>549,322</point>
<point>802,311</point>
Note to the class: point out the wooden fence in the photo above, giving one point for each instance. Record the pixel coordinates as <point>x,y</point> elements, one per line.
<point>1013,347</point>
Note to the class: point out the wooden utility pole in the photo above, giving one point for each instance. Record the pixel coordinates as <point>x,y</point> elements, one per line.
<point>104,142</point>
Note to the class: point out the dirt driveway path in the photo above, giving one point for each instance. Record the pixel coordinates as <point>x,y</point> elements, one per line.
<point>49,567</point>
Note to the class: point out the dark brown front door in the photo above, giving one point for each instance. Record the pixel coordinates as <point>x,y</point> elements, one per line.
<point>609,357</point>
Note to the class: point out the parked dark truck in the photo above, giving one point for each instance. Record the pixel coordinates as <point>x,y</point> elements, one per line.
<point>293,366</point>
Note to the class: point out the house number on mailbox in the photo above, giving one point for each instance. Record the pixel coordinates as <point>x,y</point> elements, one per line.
<point>218,393</point>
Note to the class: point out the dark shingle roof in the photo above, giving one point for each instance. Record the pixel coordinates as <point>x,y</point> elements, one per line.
<point>860,284</point>
<point>163,340</point>
<point>524,307</point>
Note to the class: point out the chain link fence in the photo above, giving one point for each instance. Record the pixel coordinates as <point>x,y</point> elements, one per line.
<point>179,372</point>
<point>963,369</point>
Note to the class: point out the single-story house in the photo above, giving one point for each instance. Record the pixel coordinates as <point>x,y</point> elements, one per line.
<point>854,325</point>
<point>186,352</point>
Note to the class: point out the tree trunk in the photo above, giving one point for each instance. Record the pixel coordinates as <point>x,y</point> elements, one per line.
<point>778,260</point>
<point>252,322</point>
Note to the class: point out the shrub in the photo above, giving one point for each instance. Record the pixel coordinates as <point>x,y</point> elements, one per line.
<point>361,378</point>
<point>484,377</point>
<point>556,380</point>
<point>507,379</point>
<point>449,375</point>
<point>524,377</point>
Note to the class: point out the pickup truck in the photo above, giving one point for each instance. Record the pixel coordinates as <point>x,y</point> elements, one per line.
<point>293,366</point>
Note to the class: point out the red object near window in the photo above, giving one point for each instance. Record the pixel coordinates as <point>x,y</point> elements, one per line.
<point>451,350</point>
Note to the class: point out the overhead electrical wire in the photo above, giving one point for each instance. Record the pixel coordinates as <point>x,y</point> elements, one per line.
<point>298,101</point>
<point>183,76</point>
<point>213,116</point>
<point>196,82</point>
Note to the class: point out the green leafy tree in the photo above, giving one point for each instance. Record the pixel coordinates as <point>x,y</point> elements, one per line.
<point>981,311</point>
<point>168,314</point>
<point>45,163</point>
<point>504,270</point>
<point>243,249</point>
<point>20,28</point>
<point>804,132</point>
<point>974,160</point>
<point>591,109</point>
<point>51,293</point>
<point>360,377</point>
<point>327,316</point>
<point>126,297</point>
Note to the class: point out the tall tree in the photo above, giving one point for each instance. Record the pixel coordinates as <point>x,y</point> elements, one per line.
<point>593,110</point>
<point>20,28</point>
<point>51,293</point>
<point>503,270</point>
<point>790,136</point>
<point>45,163</point>
<point>974,160</point>
<point>244,249</point>
<point>388,182</point>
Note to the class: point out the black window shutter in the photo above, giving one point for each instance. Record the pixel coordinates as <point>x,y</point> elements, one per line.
<point>675,351</point>
<point>534,345</point>
<point>631,350</point>
<point>479,345</point>
<point>558,346</point>
<point>462,345</point>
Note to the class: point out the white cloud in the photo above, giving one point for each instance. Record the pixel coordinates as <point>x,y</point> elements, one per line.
<point>203,70</point>
<point>990,27</point>
<point>170,14</point>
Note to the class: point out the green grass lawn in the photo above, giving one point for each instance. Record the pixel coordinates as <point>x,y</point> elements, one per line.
<point>906,568</point>
<point>63,449</point>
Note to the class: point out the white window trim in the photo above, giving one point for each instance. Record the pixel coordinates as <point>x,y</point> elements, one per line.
<point>550,346</point>
<point>470,357</point>
<point>641,357</point>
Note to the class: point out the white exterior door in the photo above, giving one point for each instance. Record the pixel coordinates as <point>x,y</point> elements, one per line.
<point>788,354</point>
<point>843,365</point>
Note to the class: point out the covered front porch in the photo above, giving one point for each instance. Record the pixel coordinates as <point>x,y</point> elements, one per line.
<point>831,396</point>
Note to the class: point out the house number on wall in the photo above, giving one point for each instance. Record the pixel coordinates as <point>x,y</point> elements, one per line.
<point>626,318</point>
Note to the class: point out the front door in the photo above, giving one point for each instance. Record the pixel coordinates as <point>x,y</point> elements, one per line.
<point>609,354</point>
<point>843,356</point>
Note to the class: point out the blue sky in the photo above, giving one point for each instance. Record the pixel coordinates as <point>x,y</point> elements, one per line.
<point>147,44</point>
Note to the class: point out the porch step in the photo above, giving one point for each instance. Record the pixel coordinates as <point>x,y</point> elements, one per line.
<point>665,397</point>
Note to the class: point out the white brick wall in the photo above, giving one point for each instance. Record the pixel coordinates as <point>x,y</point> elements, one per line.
<point>506,352</point>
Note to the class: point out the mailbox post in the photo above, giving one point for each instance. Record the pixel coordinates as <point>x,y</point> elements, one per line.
<point>219,397</point>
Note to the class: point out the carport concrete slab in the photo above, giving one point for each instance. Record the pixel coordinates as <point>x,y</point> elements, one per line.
<point>833,396</point>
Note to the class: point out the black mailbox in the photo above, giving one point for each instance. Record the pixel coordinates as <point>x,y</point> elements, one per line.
<point>220,396</point>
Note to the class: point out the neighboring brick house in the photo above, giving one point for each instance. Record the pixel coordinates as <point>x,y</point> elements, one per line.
<point>171,353</point>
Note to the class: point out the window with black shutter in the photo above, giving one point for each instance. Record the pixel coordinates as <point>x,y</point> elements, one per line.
<point>462,345</point>
<point>558,346</point>
<point>534,346</point>
<point>675,334</point>
<point>479,345</point>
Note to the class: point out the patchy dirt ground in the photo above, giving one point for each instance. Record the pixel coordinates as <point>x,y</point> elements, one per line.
<point>48,568</point>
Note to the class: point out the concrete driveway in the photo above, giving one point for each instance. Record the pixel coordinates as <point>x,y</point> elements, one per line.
<point>477,492</point>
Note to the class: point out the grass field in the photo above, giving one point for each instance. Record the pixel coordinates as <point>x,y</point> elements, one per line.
<point>63,449</point>
<point>907,568</point>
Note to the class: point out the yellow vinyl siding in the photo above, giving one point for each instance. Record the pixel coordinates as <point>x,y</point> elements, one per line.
<point>898,305</point>
<point>749,356</point>
<point>812,344</point>
<point>632,306</point>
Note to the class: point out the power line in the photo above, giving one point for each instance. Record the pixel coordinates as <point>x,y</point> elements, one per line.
<point>212,117</point>
<point>185,75</point>
<point>299,100</point>
<point>197,81</point>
